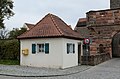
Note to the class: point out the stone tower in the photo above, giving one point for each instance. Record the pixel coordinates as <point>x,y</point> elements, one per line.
<point>114,4</point>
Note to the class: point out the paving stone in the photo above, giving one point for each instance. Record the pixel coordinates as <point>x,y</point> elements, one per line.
<point>32,71</point>
<point>107,70</point>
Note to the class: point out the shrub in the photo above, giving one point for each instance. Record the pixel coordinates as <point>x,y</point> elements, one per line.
<point>9,49</point>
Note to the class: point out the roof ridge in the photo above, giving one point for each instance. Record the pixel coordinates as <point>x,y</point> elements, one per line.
<point>55,24</point>
<point>64,22</point>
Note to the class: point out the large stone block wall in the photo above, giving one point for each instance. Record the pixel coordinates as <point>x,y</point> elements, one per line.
<point>102,35</point>
<point>103,17</point>
<point>103,25</point>
<point>95,46</point>
<point>95,59</point>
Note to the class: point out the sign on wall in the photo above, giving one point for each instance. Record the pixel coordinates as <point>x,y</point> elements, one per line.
<point>86,41</point>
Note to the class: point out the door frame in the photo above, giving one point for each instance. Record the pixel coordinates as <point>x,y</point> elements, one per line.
<point>116,48</point>
<point>79,52</point>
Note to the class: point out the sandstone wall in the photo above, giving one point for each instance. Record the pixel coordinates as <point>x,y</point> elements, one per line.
<point>103,17</point>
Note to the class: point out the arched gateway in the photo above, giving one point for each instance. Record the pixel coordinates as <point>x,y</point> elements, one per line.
<point>116,45</point>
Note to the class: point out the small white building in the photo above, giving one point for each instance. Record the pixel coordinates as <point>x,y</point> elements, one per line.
<point>50,43</point>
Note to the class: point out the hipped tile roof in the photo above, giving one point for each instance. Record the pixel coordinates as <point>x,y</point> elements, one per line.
<point>50,26</point>
<point>30,26</point>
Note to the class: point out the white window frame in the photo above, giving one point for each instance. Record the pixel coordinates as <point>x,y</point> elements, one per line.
<point>70,49</point>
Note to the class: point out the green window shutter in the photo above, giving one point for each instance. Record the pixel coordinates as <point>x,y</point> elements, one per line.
<point>73,48</point>
<point>33,48</point>
<point>68,48</point>
<point>46,48</point>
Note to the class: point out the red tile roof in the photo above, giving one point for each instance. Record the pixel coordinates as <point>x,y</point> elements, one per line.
<point>50,26</point>
<point>82,20</point>
<point>30,26</point>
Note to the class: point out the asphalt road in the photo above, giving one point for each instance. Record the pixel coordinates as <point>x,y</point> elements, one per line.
<point>107,70</point>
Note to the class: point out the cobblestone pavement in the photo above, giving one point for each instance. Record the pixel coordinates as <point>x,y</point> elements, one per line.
<point>106,70</point>
<point>39,72</point>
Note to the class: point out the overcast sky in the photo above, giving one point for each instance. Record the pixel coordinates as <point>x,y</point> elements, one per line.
<point>31,11</point>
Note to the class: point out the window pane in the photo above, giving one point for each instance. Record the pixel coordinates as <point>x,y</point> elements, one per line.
<point>43,46</point>
<point>40,48</point>
<point>70,48</point>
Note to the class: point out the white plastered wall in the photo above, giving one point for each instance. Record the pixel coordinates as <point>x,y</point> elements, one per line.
<point>51,60</point>
<point>71,59</point>
<point>57,57</point>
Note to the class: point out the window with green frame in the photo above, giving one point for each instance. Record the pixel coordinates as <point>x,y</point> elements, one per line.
<point>40,48</point>
<point>70,48</point>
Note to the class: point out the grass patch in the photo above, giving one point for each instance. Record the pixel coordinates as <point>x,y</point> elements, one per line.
<point>9,62</point>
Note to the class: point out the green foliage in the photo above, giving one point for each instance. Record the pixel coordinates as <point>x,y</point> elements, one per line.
<point>4,33</point>
<point>6,7</point>
<point>16,32</point>
<point>9,49</point>
<point>9,62</point>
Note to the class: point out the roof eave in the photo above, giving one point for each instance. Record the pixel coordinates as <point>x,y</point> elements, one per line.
<point>69,37</point>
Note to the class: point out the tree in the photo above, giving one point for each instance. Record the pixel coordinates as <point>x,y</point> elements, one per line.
<point>16,32</point>
<point>4,33</point>
<point>6,7</point>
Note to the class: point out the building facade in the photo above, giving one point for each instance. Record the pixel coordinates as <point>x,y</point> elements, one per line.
<point>57,57</point>
<point>103,25</point>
